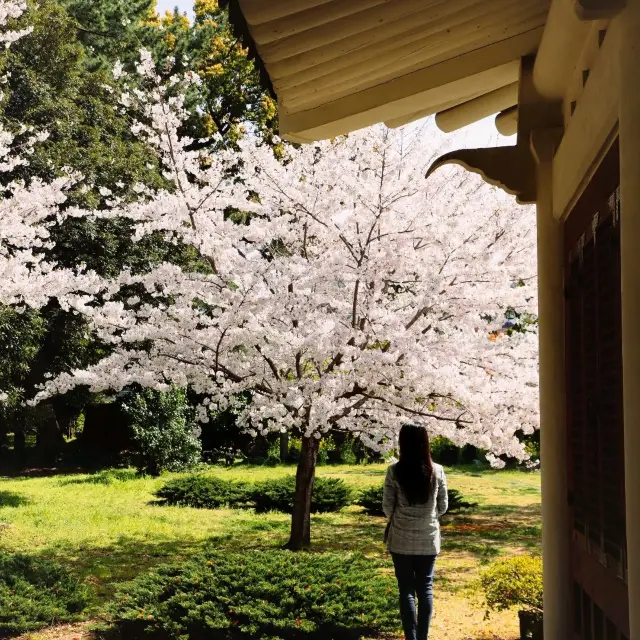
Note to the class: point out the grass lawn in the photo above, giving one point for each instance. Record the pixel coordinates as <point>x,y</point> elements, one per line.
<point>106,528</point>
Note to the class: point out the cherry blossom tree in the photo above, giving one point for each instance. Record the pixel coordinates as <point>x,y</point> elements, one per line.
<point>339,290</point>
<point>353,295</point>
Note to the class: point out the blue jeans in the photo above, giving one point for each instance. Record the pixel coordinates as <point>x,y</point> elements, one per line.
<point>415,578</point>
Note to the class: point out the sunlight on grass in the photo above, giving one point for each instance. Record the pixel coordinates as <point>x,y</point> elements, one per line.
<point>107,529</point>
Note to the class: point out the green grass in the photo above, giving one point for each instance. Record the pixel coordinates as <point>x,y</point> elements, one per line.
<point>106,528</point>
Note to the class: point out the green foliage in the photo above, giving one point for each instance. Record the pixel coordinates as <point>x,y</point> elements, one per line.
<point>275,595</point>
<point>329,494</point>
<point>110,29</point>
<point>230,96</point>
<point>344,453</point>
<point>21,335</point>
<point>204,492</point>
<point>35,593</point>
<point>514,582</point>
<point>166,436</point>
<point>222,440</point>
<point>371,501</point>
<point>51,88</point>
<point>532,445</point>
<point>273,454</point>
<point>443,451</point>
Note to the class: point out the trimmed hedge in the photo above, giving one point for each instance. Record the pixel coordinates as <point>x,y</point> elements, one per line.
<point>273,595</point>
<point>204,492</point>
<point>36,593</point>
<point>329,494</point>
<point>513,583</point>
<point>208,492</point>
<point>371,501</point>
<point>458,503</point>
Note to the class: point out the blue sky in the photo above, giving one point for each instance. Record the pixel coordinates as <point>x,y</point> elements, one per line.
<point>184,5</point>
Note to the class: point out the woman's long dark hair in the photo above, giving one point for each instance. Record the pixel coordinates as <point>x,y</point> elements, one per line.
<point>414,471</point>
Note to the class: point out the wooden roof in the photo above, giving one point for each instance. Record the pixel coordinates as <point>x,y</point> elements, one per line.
<point>339,65</point>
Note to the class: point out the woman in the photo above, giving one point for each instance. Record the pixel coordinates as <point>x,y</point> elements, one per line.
<point>415,496</point>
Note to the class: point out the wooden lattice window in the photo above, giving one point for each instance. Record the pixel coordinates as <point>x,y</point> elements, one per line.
<point>595,409</point>
<point>595,388</point>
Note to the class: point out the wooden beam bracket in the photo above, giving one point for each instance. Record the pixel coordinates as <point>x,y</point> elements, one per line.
<point>511,168</point>
<point>587,10</point>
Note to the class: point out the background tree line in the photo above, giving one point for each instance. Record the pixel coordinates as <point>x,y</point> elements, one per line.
<point>59,79</point>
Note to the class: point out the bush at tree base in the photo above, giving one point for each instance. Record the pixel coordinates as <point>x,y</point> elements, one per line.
<point>273,595</point>
<point>209,492</point>
<point>329,494</point>
<point>36,593</point>
<point>204,492</point>
<point>371,501</point>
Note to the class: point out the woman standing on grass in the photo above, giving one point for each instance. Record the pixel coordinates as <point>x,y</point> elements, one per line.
<point>415,496</point>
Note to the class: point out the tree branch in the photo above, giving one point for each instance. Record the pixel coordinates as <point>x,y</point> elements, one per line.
<point>270,362</point>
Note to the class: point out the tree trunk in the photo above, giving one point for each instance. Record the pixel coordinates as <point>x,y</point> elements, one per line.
<point>49,439</point>
<point>284,447</point>
<point>20,445</point>
<point>67,414</point>
<point>305,477</point>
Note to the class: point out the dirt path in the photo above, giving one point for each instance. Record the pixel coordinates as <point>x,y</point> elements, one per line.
<point>64,632</point>
<point>452,632</point>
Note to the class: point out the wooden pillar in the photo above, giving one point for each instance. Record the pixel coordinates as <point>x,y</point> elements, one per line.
<point>553,441</point>
<point>630,265</point>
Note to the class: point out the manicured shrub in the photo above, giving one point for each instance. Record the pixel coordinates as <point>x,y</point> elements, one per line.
<point>458,503</point>
<point>35,593</point>
<point>273,595</point>
<point>513,583</point>
<point>371,501</point>
<point>329,494</point>
<point>443,451</point>
<point>204,492</point>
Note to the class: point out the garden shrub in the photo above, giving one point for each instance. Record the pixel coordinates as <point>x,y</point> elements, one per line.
<point>273,595</point>
<point>273,454</point>
<point>513,583</point>
<point>165,434</point>
<point>371,501</point>
<point>458,503</point>
<point>329,494</point>
<point>35,593</point>
<point>204,492</point>
<point>207,492</point>
<point>443,451</point>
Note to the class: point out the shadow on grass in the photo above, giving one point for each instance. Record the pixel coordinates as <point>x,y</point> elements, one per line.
<point>380,473</point>
<point>105,566</point>
<point>104,477</point>
<point>11,499</point>
<point>510,511</point>
<point>483,535</point>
